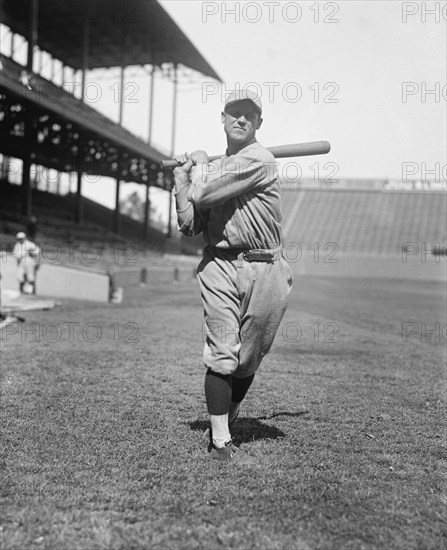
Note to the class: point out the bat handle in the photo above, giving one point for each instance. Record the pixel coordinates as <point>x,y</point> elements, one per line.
<point>171,163</point>
<point>164,164</point>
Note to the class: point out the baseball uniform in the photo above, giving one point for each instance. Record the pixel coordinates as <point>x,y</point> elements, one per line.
<point>26,254</point>
<point>243,277</point>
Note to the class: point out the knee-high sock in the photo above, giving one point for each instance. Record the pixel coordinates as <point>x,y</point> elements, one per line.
<point>218,399</point>
<point>240,388</point>
<point>217,392</point>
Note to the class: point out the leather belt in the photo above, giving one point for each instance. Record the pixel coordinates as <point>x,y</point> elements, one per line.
<point>259,255</point>
<point>249,255</point>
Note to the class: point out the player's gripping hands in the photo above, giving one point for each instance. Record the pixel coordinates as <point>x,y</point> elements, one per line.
<point>185,164</point>
<point>181,172</point>
<point>199,157</point>
<point>188,162</point>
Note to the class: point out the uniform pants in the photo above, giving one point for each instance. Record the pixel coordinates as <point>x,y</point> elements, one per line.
<point>244,303</point>
<point>26,271</point>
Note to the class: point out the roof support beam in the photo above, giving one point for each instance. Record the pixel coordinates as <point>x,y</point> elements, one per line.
<point>174,124</point>
<point>151,103</point>
<point>85,48</point>
<point>121,96</point>
<point>174,110</point>
<point>116,213</point>
<point>40,69</point>
<point>29,123</point>
<point>147,207</point>
<point>116,222</point>
<point>85,56</point>
<point>32,33</point>
<point>147,204</point>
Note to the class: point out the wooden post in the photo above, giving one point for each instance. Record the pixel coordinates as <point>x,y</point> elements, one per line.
<point>40,61</point>
<point>116,221</point>
<point>12,45</point>
<point>116,217</point>
<point>147,208</point>
<point>174,121</point>
<point>151,104</point>
<point>147,205</point>
<point>174,110</point>
<point>85,55</point>
<point>29,122</point>
<point>121,96</point>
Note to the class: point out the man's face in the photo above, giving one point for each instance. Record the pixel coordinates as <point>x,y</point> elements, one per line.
<point>241,120</point>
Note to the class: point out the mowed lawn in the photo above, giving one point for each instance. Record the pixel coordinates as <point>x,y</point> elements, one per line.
<point>103,414</point>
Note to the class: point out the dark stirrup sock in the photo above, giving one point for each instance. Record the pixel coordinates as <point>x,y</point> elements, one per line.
<point>217,392</point>
<point>240,388</point>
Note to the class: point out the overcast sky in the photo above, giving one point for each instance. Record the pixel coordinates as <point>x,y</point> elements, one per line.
<point>354,73</point>
<point>358,65</point>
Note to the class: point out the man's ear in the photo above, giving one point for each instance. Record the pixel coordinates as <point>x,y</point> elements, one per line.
<point>222,117</point>
<point>260,120</point>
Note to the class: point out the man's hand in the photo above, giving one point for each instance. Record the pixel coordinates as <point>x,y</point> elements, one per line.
<point>186,165</point>
<point>199,157</point>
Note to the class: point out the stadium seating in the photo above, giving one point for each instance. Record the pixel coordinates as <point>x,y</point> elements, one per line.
<point>366,226</point>
<point>362,222</point>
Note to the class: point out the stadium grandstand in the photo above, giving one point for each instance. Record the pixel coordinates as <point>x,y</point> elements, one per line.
<point>355,227</point>
<point>369,222</point>
<point>368,227</point>
<point>46,124</point>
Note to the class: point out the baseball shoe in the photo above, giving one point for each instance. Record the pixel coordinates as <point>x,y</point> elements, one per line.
<point>230,453</point>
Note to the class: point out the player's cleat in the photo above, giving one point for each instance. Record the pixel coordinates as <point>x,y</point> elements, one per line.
<point>230,453</point>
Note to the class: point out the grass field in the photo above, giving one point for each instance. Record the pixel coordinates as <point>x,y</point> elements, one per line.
<point>103,413</point>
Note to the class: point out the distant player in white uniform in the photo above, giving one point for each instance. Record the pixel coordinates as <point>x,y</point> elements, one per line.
<point>244,279</point>
<point>27,256</point>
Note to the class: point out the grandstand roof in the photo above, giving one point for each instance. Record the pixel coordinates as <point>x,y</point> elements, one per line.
<point>122,32</point>
<point>69,134</point>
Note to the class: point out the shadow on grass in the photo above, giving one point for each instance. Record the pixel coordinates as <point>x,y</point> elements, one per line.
<point>284,413</point>
<point>249,429</point>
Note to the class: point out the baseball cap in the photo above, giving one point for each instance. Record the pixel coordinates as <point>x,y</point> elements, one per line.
<point>240,95</point>
<point>20,235</point>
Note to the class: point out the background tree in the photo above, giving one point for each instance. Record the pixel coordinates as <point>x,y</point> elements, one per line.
<point>133,205</point>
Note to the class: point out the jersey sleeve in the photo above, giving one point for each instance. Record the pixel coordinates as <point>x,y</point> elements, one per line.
<point>37,253</point>
<point>191,220</point>
<point>17,252</point>
<point>213,185</point>
<point>33,250</point>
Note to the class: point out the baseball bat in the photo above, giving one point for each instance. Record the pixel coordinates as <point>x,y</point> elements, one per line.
<point>279,151</point>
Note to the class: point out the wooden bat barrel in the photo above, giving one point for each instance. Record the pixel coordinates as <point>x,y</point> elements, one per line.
<point>278,151</point>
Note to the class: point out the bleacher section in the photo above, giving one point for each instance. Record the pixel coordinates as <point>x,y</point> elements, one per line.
<point>55,215</point>
<point>375,223</point>
<point>369,229</point>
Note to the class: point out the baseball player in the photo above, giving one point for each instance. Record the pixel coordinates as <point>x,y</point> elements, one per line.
<point>244,279</point>
<point>27,255</point>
